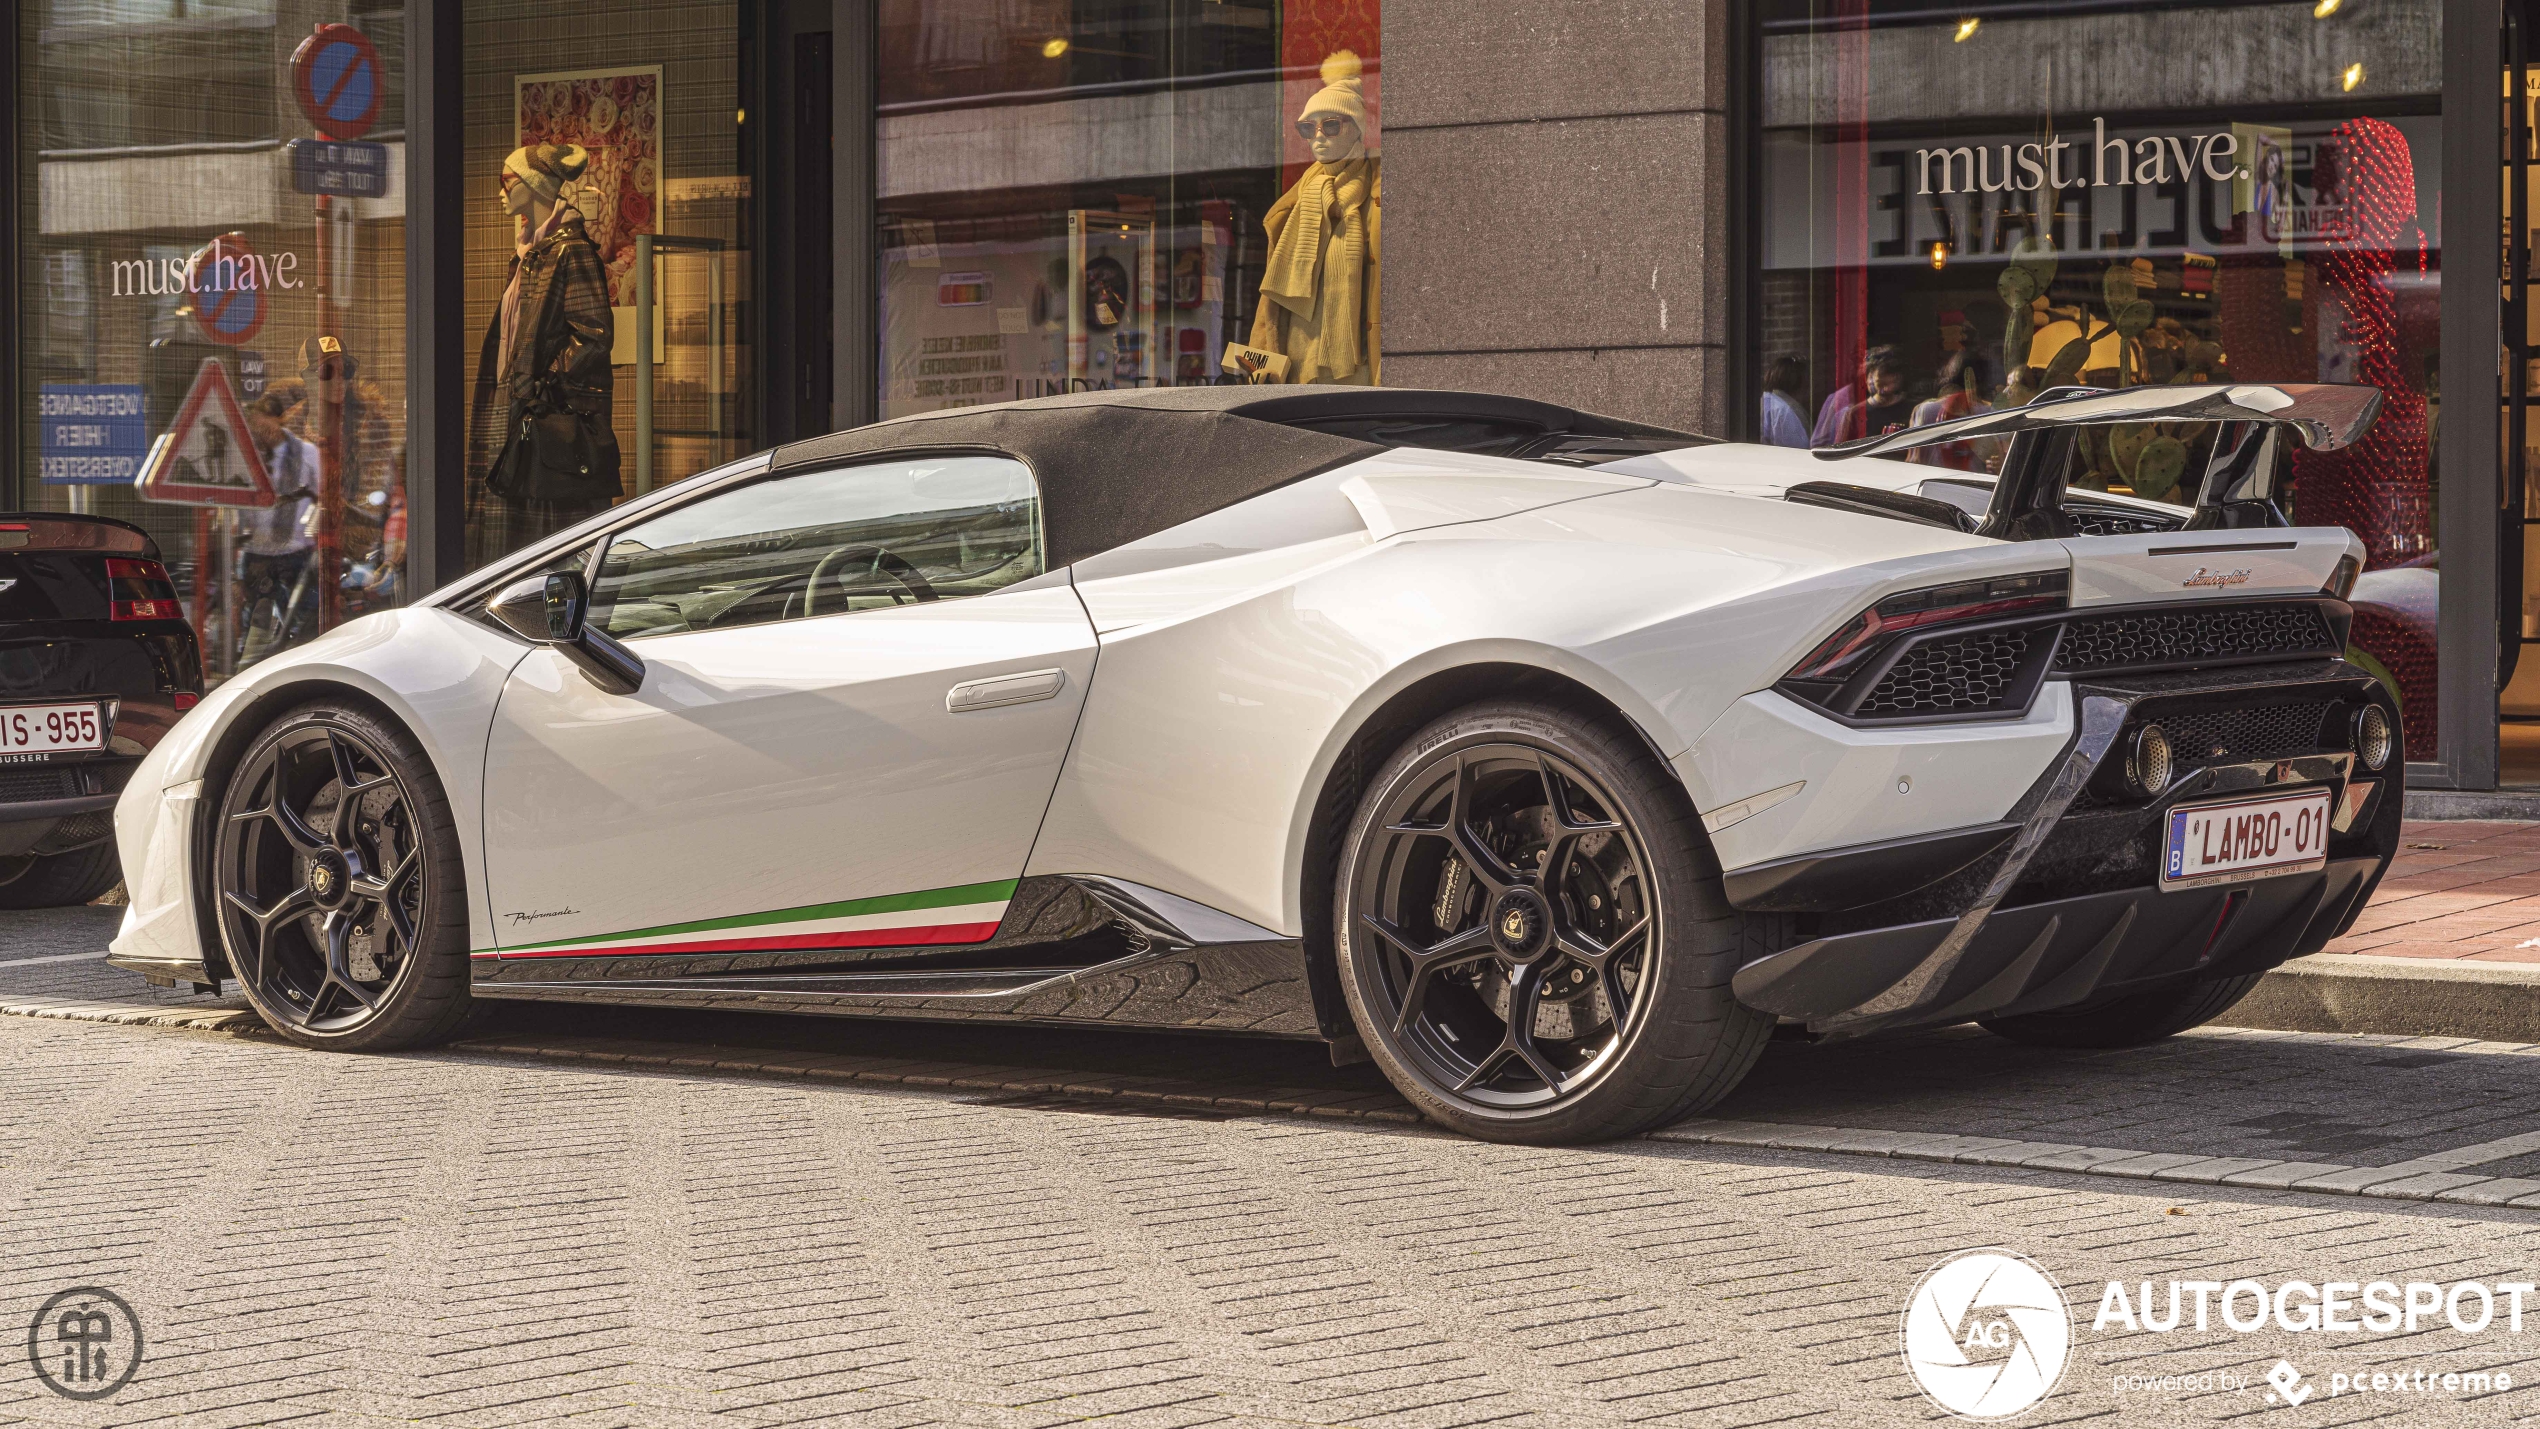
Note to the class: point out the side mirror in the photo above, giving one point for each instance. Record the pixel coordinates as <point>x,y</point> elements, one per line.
<point>553,610</point>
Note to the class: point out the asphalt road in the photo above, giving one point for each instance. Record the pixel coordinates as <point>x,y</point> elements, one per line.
<point>656,1220</point>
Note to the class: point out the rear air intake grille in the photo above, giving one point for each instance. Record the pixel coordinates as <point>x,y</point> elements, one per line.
<point>1955,674</point>
<point>2193,637</point>
<point>26,785</point>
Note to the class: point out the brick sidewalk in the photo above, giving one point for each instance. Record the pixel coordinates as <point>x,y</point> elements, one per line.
<point>2467,890</point>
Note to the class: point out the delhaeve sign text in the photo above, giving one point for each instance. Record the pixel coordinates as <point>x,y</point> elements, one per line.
<point>2159,159</point>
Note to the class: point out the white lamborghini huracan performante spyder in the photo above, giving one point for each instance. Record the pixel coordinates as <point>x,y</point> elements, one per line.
<point>1549,760</point>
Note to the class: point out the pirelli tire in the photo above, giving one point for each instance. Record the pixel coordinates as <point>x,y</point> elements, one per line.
<point>1531,930</point>
<point>336,882</point>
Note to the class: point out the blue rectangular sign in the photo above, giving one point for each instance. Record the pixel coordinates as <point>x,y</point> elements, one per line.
<point>339,170</point>
<point>90,435</point>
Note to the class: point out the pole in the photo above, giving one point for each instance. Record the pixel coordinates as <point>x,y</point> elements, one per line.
<point>328,412</point>
<point>228,590</point>
<point>202,574</point>
<point>643,363</point>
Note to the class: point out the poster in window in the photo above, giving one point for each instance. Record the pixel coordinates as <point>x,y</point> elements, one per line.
<point>616,114</point>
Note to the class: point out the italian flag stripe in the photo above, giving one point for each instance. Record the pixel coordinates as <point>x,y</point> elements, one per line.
<point>967,914</point>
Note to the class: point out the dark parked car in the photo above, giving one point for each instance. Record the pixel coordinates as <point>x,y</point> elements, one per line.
<point>96,661</point>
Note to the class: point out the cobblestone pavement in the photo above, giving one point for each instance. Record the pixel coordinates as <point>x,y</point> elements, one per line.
<point>656,1220</point>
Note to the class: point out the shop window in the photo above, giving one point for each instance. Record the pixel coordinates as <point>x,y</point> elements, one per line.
<point>191,286</point>
<point>605,153</point>
<point>871,537</point>
<point>1960,213</point>
<point>1091,194</point>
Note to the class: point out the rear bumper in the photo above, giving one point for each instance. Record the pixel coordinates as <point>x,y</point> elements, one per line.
<point>2059,905</point>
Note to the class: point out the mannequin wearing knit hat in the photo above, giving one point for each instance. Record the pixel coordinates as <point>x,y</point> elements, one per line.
<point>542,436</point>
<point>1319,291</point>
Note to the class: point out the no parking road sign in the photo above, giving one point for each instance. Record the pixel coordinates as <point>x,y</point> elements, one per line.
<point>228,290</point>
<point>335,74</point>
<point>209,457</point>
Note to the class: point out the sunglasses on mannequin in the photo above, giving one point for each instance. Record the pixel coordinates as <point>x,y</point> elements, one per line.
<point>1323,128</point>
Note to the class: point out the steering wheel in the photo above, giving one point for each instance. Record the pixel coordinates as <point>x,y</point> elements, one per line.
<point>877,562</point>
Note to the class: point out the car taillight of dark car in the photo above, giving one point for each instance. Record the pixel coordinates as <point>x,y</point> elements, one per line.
<point>142,590</point>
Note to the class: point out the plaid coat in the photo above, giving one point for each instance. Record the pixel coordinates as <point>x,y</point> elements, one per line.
<point>542,435</point>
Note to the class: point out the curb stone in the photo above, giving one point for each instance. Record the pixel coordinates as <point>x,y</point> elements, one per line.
<point>2408,997</point>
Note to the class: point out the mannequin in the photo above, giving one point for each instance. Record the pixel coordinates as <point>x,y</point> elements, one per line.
<point>1319,292</point>
<point>542,437</point>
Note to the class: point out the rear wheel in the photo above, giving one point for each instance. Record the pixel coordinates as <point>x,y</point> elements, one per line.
<point>336,875</point>
<point>60,880</point>
<point>1532,933</point>
<point>2127,1021</point>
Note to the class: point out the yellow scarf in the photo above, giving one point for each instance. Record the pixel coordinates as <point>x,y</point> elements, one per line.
<point>1317,266</point>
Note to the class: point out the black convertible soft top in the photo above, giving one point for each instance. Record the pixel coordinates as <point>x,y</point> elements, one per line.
<point>1117,466</point>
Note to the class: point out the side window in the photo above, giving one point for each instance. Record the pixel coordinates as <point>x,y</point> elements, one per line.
<point>824,543</point>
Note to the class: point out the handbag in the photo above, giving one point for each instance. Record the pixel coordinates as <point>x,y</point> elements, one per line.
<point>1254,364</point>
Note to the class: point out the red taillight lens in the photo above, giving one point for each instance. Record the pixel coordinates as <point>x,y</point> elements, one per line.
<point>141,590</point>
<point>186,700</point>
<point>1959,603</point>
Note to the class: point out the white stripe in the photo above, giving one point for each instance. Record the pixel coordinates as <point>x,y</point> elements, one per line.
<point>912,918</point>
<point>63,958</point>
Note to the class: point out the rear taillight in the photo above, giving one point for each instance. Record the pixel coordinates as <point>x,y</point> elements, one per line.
<point>2341,582</point>
<point>142,590</point>
<point>1964,601</point>
<point>186,700</point>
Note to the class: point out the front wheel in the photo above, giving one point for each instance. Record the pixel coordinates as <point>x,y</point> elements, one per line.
<point>2127,1021</point>
<point>1532,933</point>
<point>335,873</point>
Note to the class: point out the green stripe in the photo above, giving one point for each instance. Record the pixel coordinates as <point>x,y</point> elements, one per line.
<point>851,908</point>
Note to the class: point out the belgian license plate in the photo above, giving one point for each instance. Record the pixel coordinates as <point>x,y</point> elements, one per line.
<point>51,729</point>
<point>2235,840</point>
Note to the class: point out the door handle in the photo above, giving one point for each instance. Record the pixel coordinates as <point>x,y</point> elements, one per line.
<point>998,691</point>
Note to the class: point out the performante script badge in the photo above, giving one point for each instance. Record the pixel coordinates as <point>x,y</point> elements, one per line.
<point>2207,575</point>
<point>1986,1334</point>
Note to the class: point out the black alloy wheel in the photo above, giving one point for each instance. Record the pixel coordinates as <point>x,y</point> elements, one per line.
<point>336,878</point>
<point>1511,897</point>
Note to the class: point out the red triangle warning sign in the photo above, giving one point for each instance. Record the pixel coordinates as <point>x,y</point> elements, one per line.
<point>209,457</point>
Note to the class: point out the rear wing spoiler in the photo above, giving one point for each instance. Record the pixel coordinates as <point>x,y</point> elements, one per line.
<point>2236,485</point>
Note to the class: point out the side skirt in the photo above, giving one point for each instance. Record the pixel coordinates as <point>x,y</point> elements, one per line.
<point>1175,965</point>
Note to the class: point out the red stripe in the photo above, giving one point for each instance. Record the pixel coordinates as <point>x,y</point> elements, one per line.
<point>867,938</point>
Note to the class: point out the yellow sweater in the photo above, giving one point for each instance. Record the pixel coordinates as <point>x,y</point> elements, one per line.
<point>1319,292</point>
